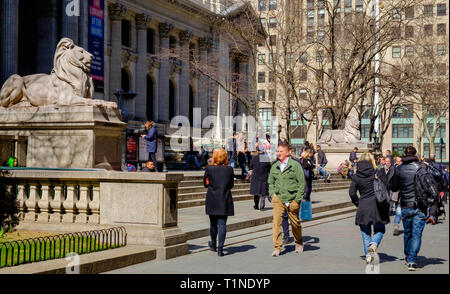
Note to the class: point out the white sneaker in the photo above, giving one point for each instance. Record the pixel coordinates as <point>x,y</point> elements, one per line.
<point>369,258</point>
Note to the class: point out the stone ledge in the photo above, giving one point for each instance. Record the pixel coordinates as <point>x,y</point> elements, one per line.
<point>92,263</point>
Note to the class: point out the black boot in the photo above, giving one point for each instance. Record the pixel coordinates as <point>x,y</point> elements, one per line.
<point>211,246</point>
<point>220,251</point>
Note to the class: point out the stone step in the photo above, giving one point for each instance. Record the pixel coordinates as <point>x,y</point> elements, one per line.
<point>198,176</point>
<point>320,212</point>
<point>265,230</point>
<point>199,199</point>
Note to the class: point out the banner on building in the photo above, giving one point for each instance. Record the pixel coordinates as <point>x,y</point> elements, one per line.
<point>96,42</point>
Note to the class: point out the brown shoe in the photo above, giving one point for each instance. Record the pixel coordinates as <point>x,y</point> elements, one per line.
<point>276,252</point>
<point>298,248</point>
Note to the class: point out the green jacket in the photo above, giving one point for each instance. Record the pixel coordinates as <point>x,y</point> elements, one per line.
<point>287,185</point>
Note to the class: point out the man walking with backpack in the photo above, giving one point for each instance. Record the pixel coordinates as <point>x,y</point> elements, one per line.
<point>413,181</point>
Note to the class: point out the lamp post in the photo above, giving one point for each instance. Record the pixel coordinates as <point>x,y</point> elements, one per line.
<point>441,141</point>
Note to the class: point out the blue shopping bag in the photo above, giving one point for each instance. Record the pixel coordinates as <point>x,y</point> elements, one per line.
<point>305,211</point>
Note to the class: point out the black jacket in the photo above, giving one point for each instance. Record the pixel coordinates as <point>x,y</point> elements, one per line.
<point>386,176</point>
<point>308,168</point>
<point>403,181</point>
<point>352,157</point>
<point>218,198</point>
<point>260,166</point>
<point>321,158</point>
<point>369,212</point>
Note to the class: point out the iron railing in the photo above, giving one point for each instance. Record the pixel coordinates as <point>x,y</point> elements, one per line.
<point>59,246</point>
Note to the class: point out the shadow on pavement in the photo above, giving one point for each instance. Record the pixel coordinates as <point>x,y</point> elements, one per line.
<point>195,247</point>
<point>386,257</point>
<point>237,249</point>
<point>422,261</point>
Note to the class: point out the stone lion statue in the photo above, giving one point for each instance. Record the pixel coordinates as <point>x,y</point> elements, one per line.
<point>70,82</point>
<point>350,133</point>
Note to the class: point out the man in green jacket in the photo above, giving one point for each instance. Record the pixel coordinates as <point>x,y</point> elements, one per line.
<point>287,188</point>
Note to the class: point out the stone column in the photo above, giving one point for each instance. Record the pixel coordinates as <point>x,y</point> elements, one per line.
<point>185,75</point>
<point>83,25</point>
<point>69,23</point>
<point>164,72</point>
<point>243,89</point>
<point>204,45</point>
<point>117,13</point>
<point>9,38</point>
<point>140,101</point>
<point>47,24</point>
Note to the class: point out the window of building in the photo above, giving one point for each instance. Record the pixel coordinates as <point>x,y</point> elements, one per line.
<point>428,10</point>
<point>321,17</point>
<point>441,9</point>
<point>365,111</point>
<point>272,58</point>
<point>261,77</point>
<point>440,131</point>
<point>263,22</point>
<point>409,50</point>
<point>272,94</point>
<point>273,40</point>
<point>428,30</point>
<point>441,29</point>
<point>265,116</point>
<point>272,4</point>
<point>125,80</point>
<point>365,131</point>
<point>438,148</point>
<point>303,93</point>
<point>348,6</point>
<point>400,148</point>
<point>402,131</point>
<point>271,77</point>
<point>441,69</point>
<point>405,111</point>
<point>310,18</point>
<point>126,33</point>
<point>337,5</point>
<point>310,37</point>
<point>359,5</point>
<point>262,5</point>
<point>441,49</point>
<point>409,32</point>
<point>261,59</point>
<point>320,35</point>
<point>150,41</point>
<point>429,69</point>
<point>310,4</point>
<point>427,50</point>
<point>409,12</point>
<point>319,56</point>
<point>396,51</point>
<point>273,22</point>
<point>262,95</point>
<point>396,13</point>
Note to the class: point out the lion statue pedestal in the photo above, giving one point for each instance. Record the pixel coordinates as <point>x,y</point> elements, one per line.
<point>54,121</point>
<point>337,144</point>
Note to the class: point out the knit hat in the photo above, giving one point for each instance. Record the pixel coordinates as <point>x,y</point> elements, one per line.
<point>131,168</point>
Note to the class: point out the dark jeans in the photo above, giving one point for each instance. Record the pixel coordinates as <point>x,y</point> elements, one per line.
<point>152,157</point>
<point>218,225</point>
<point>308,190</point>
<point>413,225</point>
<point>188,159</point>
<point>242,164</point>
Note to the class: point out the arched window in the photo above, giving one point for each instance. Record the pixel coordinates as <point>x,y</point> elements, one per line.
<point>149,104</point>
<point>171,100</point>
<point>125,81</point>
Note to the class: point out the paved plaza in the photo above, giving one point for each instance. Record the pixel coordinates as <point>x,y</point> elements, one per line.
<point>330,248</point>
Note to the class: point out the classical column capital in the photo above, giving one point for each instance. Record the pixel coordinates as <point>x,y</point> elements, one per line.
<point>185,36</point>
<point>204,43</point>
<point>165,29</point>
<point>117,11</point>
<point>142,21</point>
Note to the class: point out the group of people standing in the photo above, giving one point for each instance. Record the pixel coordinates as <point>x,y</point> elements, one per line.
<point>407,182</point>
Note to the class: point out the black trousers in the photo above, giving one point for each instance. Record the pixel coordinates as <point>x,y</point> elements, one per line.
<point>152,157</point>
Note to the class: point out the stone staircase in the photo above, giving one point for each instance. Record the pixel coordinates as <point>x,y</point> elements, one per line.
<point>192,193</point>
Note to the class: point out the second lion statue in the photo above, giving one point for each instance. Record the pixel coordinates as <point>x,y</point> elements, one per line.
<point>69,84</point>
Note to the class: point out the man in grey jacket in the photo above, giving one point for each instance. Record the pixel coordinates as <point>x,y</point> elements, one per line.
<point>322,162</point>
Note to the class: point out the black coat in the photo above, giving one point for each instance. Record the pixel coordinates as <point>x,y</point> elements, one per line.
<point>369,212</point>
<point>218,198</point>
<point>403,180</point>
<point>260,166</point>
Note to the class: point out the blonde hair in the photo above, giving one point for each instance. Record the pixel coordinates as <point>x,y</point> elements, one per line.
<point>367,156</point>
<point>220,157</point>
<point>305,154</point>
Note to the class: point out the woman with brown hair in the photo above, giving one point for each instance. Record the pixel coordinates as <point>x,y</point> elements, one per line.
<point>219,179</point>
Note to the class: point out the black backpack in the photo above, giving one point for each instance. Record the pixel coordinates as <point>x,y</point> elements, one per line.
<point>426,188</point>
<point>381,193</point>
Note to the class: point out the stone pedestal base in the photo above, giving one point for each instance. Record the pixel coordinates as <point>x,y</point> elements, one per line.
<point>339,154</point>
<point>62,136</point>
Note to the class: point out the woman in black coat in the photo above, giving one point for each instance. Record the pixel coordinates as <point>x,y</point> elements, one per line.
<point>368,212</point>
<point>259,187</point>
<point>308,169</point>
<point>219,179</point>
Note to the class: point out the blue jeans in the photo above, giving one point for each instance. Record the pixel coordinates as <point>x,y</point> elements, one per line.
<point>190,157</point>
<point>322,171</point>
<point>218,225</point>
<point>398,214</point>
<point>366,232</point>
<point>413,225</point>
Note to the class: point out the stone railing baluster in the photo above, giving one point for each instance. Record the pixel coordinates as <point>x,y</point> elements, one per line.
<point>31,203</point>
<point>44,204</point>
<point>94,205</point>
<point>21,198</point>
<point>57,205</point>
<point>69,204</point>
<point>83,204</point>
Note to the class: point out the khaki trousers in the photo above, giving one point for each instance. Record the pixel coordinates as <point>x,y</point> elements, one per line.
<point>292,211</point>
